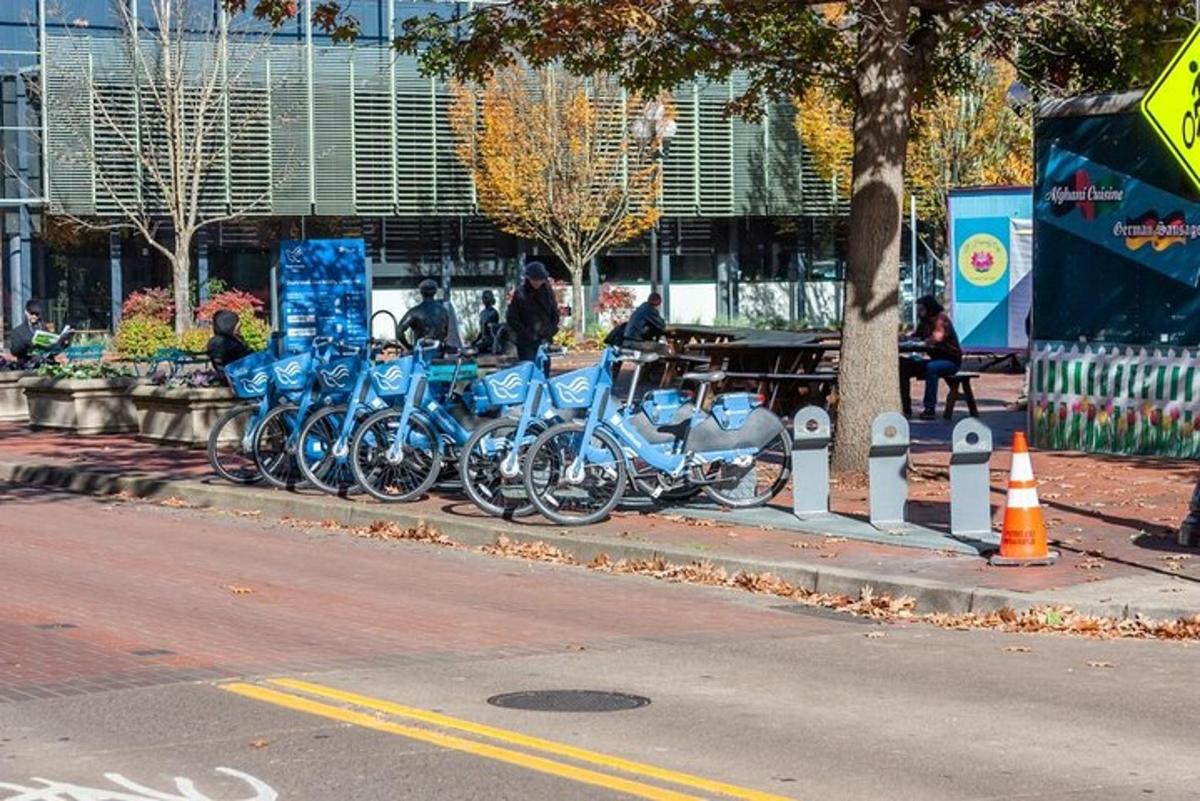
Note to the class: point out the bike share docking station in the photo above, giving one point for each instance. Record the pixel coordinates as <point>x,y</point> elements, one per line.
<point>888,517</point>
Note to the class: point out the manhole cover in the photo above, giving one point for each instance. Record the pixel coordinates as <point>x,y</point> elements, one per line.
<point>568,701</point>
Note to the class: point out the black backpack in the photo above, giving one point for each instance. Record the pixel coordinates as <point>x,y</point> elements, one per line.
<point>616,337</point>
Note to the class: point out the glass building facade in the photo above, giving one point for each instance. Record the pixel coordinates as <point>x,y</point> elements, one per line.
<point>351,140</point>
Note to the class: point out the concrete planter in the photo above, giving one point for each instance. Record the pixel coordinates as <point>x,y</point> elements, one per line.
<point>12,397</point>
<point>81,406</point>
<point>179,416</point>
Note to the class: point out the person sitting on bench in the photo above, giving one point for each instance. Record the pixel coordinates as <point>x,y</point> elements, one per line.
<point>943,357</point>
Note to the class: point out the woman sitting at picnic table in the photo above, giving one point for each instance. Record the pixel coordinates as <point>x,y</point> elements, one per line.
<point>943,354</point>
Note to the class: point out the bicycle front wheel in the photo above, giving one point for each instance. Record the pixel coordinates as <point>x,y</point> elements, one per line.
<point>407,478</point>
<point>323,463</point>
<point>229,445</point>
<point>479,467</point>
<point>572,482</point>
<point>274,447</point>
<point>753,484</point>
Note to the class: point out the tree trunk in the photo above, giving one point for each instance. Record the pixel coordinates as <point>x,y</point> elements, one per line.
<point>868,378</point>
<point>577,301</point>
<point>181,279</point>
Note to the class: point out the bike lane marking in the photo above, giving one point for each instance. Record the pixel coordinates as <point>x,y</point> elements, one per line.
<point>527,761</point>
<point>514,738</point>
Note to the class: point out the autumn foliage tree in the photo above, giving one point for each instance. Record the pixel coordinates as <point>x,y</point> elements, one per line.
<point>970,137</point>
<point>565,161</point>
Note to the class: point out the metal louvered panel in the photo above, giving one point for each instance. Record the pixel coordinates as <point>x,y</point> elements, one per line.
<point>715,158</point>
<point>250,160</point>
<point>290,167</point>
<point>784,193</point>
<point>333,131</point>
<point>455,190</point>
<point>69,124</point>
<point>416,189</point>
<point>114,137</point>
<point>374,133</point>
<point>680,178</point>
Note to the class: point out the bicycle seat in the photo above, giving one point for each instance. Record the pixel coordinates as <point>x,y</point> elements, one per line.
<point>640,357</point>
<point>705,378</point>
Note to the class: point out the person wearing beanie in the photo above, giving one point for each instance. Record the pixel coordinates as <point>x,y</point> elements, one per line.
<point>532,315</point>
<point>646,325</point>
<point>427,320</point>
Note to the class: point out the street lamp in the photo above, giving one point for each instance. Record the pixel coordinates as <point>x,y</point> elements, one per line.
<point>655,128</point>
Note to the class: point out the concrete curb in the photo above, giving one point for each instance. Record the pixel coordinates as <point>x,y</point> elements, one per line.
<point>1099,598</point>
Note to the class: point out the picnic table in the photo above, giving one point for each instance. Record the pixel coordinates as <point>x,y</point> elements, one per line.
<point>785,367</point>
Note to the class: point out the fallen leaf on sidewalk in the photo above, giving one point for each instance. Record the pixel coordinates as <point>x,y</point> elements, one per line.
<point>804,546</point>
<point>1090,564</point>
<point>237,590</point>
<point>1017,649</point>
<point>260,743</point>
<point>831,540</point>
<point>1100,664</point>
<point>875,635</point>
<point>576,647</point>
<point>175,503</point>
<point>247,512</point>
<point>829,555</point>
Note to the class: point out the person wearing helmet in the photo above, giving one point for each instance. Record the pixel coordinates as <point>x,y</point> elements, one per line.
<point>427,320</point>
<point>532,315</point>
<point>489,325</point>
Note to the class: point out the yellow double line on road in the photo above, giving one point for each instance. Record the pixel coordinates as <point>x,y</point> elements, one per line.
<point>352,704</point>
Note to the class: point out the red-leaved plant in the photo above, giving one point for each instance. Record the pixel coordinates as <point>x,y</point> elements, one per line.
<point>155,303</point>
<point>234,300</point>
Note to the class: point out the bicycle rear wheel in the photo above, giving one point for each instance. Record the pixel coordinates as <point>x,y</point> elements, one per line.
<point>316,452</point>
<point>743,487</point>
<point>230,451</point>
<point>406,479</point>
<point>580,499</point>
<point>274,447</point>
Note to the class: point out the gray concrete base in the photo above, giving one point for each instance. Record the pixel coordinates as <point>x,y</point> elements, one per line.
<point>80,406</point>
<point>13,408</point>
<point>1146,596</point>
<point>905,536</point>
<point>179,416</point>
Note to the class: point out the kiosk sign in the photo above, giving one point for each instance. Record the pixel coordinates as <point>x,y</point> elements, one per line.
<point>1172,105</point>
<point>324,290</point>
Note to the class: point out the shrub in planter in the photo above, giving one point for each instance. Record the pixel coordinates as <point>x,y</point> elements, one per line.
<point>255,331</point>
<point>142,337</point>
<point>152,304</point>
<point>84,371</point>
<point>194,340</point>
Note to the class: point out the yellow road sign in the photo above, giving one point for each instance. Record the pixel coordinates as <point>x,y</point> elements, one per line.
<point>1172,105</point>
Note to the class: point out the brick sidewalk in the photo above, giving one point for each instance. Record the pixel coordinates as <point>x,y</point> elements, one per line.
<point>1112,517</point>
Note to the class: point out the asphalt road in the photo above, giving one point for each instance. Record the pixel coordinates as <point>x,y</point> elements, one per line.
<point>158,653</point>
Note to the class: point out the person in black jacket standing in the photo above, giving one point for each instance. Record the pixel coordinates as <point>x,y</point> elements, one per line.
<point>532,316</point>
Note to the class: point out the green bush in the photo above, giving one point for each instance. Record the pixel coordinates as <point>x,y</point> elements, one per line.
<point>142,337</point>
<point>84,370</point>
<point>194,340</point>
<point>255,330</point>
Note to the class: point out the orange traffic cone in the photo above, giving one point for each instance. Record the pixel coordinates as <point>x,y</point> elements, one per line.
<point>1023,539</point>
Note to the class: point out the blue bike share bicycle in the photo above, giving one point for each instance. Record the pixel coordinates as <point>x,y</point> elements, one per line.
<point>738,453</point>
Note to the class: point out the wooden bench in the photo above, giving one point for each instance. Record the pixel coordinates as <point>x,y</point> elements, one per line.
<point>960,387</point>
<point>822,384</point>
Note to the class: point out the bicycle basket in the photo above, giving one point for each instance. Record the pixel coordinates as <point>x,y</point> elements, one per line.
<point>508,387</point>
<point>391,379</point>
<point>338,375</point>
<point>576,389</point>
<point>292,373</point>
<point>250,376</point>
